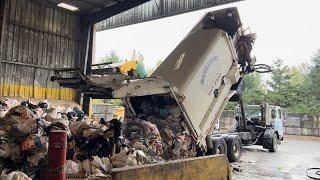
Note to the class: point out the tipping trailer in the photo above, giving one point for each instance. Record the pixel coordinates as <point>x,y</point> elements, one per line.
<point>199,77</point>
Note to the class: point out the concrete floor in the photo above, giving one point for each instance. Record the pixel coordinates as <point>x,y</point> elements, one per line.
<point>294,156</point>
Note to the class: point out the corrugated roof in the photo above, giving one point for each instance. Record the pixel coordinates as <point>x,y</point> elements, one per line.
<point>156,9</point>
<point>86,6</point>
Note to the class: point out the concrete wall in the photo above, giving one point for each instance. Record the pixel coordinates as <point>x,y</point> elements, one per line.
<point>297,124</point>
<point>300,124</point>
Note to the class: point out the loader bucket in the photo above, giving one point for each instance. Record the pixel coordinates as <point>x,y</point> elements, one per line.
<point>199,168</point>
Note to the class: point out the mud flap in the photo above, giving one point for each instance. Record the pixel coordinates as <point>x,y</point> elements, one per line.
<point>200,168</point>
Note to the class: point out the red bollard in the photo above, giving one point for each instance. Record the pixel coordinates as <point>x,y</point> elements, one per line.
<point>57,153</point>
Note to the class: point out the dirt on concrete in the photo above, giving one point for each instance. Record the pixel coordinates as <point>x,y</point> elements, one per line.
<point>294,156</point>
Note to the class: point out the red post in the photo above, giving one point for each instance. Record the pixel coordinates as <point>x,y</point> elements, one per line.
<point>57,153</point>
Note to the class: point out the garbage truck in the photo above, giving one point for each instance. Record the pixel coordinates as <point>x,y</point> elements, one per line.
<point>183,98</point>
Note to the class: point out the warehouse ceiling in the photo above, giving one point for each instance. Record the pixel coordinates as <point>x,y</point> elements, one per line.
<point>95,11</point>
<point>156,9</point>
<point>86,6</point>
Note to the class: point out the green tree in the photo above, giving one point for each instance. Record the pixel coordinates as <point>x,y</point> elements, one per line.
<point>254,91</point>
<point>314,76</point>
<point>312,84</point>
<point>112,57</point>
<point>297,89</point>
<point>280,93</point>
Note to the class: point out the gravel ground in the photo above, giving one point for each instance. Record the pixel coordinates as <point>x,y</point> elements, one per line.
<point>294,156</point>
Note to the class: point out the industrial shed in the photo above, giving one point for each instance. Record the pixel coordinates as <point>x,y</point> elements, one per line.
<point>38,36</point>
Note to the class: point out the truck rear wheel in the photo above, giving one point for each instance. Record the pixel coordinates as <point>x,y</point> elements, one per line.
<point>234,148</point>
<point>274,143</point>
<point>219,145</point>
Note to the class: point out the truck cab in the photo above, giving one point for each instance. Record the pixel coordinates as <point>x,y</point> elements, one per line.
<point>277,117</point>
<point>274,116</point>
<point>265,115</point>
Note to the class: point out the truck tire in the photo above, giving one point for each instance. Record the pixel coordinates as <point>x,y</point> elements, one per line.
<point>219,145</point>
<point>274,143</point>
<point>234,148</point>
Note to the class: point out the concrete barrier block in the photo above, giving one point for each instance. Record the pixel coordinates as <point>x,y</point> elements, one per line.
<point>293,131</point>
<point>294,117</point>
<point>316,123</point>
<point>305,117</point>
<point>307,124</point>
<point>307,131</point>
<point>293,123</point>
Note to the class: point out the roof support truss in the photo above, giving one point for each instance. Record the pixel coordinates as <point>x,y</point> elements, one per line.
<point>156,9</point>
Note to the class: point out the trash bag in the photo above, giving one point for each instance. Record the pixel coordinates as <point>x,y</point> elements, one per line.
<point>4,150</point>
<point>19,131</point>
<point>6,104</point>
<point>87,166</point>
<point>78,127</point>
<point>18,114</point>
<point>15,175</point>
<point>34,159</point>
<point>126,157</point>
<point>73,167</point>
<point>103,164</point>
<point>106,164</point>
<point>35,142</point>
<point>15,153</point>
<point>142,158</point>
<point>92,133</point>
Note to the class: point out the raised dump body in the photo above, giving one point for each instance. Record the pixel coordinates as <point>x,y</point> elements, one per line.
<point>202,69</point>
<point>198,75</point>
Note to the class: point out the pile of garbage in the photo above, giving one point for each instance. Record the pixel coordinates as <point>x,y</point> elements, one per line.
<point>159,130</point>
<point>156,133</point>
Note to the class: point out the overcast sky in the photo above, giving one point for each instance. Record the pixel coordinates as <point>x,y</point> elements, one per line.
<point>288,29</point>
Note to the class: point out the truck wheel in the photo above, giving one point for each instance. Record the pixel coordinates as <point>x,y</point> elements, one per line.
<point>219,145</point>
<point>274,143</point>
<point>234,148</point>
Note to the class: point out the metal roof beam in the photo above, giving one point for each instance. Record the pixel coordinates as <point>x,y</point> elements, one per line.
<point>112,11</point>
<point>156,9</point>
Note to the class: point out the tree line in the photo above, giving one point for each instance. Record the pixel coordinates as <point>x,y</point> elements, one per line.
<point>295,88</point>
